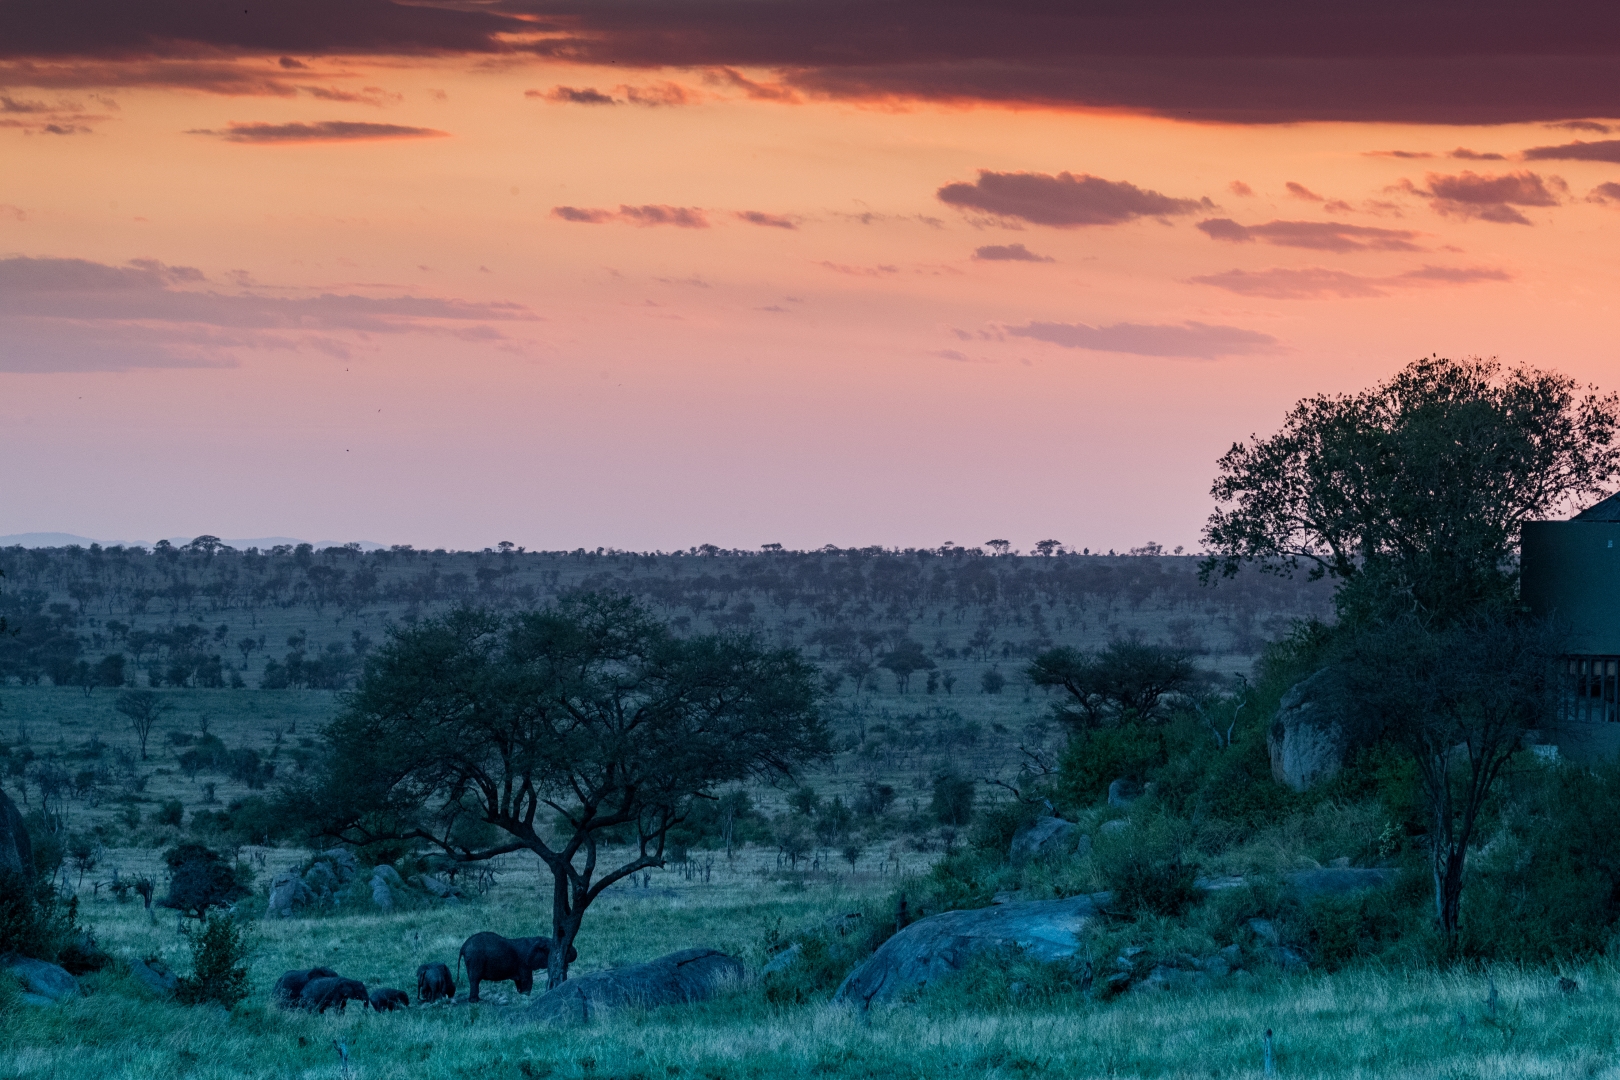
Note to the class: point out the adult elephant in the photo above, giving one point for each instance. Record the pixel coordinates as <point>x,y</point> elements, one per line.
<point>490,956</point>
<point>328,993</point>
<point>290,987</point>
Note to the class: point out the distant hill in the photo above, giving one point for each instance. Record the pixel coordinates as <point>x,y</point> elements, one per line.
<point>264,543</point>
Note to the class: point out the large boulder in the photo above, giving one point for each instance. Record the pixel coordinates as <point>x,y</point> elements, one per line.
<point>344,864</point>
<point>388,875</point>
<point>381,894</point>
<point>41,979</point>
<point>680,977</point>
<point>936,947</point>
<point>16,851</point>
<point>1047,836</point>
<point>155,976</point>
<point>320,879</point>
<point>1309,736</point>
<point>287,891</point>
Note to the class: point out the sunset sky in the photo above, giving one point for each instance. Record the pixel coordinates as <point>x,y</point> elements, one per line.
<point>654,274</point>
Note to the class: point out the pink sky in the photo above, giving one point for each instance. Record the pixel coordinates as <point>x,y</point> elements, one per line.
<point>461,298</point>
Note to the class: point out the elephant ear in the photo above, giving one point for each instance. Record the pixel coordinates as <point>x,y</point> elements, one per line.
<point>540,954</point>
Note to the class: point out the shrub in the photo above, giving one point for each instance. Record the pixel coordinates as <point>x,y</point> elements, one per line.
<point>1096,758</point>
<point>34,918</point>
<point>170,813</point>
<point>199,879</point>
<point>1146,871</point>
<point>953,800</point>
<point>219,955</point>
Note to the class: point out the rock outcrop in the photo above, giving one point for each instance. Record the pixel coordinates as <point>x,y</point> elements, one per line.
<point>1046,836</point>
<point>685,976</point>
<point>1308,738</point>
<point>941,945</point>
<point>16,851</point>
<point>40,979</point>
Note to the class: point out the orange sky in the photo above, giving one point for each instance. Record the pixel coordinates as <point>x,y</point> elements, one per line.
<point>404,340</point>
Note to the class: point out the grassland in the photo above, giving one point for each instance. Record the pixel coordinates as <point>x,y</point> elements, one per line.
<point>1364,1023</point>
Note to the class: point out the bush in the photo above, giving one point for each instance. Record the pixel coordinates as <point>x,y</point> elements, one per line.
<point>219,955</point>
<point>34,918</point>
<point>1096,758</point>
<point>170,813</point>
<point>200,879</point>
<point>1146,871</point>
<point>953,800</point>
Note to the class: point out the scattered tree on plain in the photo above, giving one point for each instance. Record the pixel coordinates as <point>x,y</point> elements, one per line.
<point>561,729</point>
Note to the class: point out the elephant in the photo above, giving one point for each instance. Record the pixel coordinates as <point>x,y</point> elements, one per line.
<point>490,956</point>
<point>387,999</point>
<point>322,994</point>
<point>433,982</point>
<point>291,984</point>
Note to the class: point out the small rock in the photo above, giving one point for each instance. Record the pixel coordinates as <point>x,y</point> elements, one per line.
<point>1118,825</point>
<point>38,977</point>
<point>36,1000</point>
<point>1265,930</point>
<point>388,875</point>
<point>1342,862</point>
<point>1216,966</point>
<point>155,976</point>
<point>1017,990</point>
<point>381,894</point>
<point>782,960</point>
<point>438,886</point>
<point>320,879</point>
<point>1232,954</point>
<point>1288,959</point>
<point>344,864</point>
<point>1082,847</point>
<point>1123,792</point>
<point>1047,836</point>
<point>287,891</point>
<point>1131,952</point>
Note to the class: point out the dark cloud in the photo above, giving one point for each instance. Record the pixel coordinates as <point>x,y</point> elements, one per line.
<point>1315,235</point>
<point>1404,154</point>
<point>1271,61</point>
<point>1464,154</point>
<point>1603,150</point>
<point>685,217</point>
<point>770,221</point>
<point>568,95</point>
<point>1490,198</point>
<point>1009,253</point>
<point>1584,125</point>
<point>1300,191</point>
<point>734,79</point>
<point>1063,201</point>
<point>1317,282</point>
<point>1609,192</point>
<point>318,131</point>
<point>290,64</point>
<point>1193,340</point>
<point>370,95</point>
<point>79,315</point>
<point>1238,187</point>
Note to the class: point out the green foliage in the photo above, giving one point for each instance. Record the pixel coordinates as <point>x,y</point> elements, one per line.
<point>170,813</point>
<point>824,953</point>
<point>952,803</point>
<point>220,950</point>
<point>1095,758</point>
<point>1146,869</point>
<point>35,920</point>
<point>995,825</point>
<point>969,878</point>
<point>1548,887</point>
<point>199,879</point>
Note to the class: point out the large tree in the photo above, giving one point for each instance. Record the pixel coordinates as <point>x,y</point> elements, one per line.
<point>1459,700</point>
<point>1412,493</point>
<point>569,730</point>
<point>1124,680</point>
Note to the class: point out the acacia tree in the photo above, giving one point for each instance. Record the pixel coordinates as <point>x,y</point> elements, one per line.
<point>564,729</point>
<point>1459,700</point>
<point>143,709</point>
<point>1124,679</point>
<point>1411,493</point>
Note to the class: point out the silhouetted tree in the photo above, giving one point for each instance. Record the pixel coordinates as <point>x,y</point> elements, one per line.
<point>1124,679</point>
<point>579,722</point>
<point>143,709</point>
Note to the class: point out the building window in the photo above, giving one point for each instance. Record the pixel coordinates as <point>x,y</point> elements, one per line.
<point>1592,689</point>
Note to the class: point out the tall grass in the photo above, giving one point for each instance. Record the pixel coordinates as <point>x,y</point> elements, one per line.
<point>1363,1022</point>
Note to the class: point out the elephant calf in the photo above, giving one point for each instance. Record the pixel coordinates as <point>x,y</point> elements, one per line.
<point>322,994</point>
<point>490,956</point>
<point>288,988</point>
<point>387,999</point>
<point>433,982</point>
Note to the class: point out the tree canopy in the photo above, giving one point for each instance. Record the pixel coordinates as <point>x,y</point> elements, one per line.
<point>1124,679</point>
<point>1412,493</point>
<point>564,729</point>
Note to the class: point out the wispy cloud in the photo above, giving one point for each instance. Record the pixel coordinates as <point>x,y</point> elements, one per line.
<point>683,217</point>
<point>78,315</point>
<point>770,221</point>
<point>1602,150</point>
<point>317,131</point>
<point>1064,201</point>
<point>1318,282</point>
<point>1194,340</point>
<point>1314,235</point>
<point>1008,253</point>
<point>1487,197</point>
